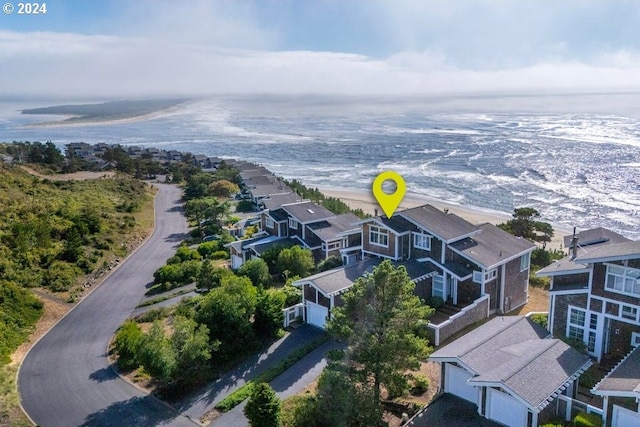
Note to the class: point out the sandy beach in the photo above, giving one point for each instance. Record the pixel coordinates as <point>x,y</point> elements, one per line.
<point>358,199</point>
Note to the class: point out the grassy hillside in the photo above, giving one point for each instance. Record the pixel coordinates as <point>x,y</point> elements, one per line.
<point>58,236</point>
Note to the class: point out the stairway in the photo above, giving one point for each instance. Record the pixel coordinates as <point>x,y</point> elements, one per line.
<point>449,309</point>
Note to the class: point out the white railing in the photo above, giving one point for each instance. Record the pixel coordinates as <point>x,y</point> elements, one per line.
<point>573,406</point>
<point>292,313</point>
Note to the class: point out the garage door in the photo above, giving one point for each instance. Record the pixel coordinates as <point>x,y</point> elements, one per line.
<point>505,409</point>
<point>456,383</point>
<point>317,314</point>
<point>624,418</point>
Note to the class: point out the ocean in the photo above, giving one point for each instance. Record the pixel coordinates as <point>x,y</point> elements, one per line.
<point>575,158</point>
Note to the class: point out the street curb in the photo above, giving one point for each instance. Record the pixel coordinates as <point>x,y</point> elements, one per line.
<point>80,302</point>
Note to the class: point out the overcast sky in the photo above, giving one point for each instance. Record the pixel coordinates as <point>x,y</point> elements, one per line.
<point>159,48</point>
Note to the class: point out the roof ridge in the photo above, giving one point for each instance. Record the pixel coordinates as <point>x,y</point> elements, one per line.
<point>555,342</point>
<point>484,341</point>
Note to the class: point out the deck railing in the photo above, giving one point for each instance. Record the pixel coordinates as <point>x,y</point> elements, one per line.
<point>292,313</point>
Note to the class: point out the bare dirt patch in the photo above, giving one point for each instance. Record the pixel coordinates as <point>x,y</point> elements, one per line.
<point>538,301</point>
<point>75,176</point>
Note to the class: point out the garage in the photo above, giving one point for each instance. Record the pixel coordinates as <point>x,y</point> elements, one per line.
<point>456,383</point>
<point>624,418</point>
<point>505,409</point>
<point>317,314</point>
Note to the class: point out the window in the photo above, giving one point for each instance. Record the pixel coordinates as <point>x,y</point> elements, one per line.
<point>293,223</point>
<point>635,339</point>
<point>629,312</point>
<point>591,342</point>
<point>623,280</point>
<point>330,246</point>
<point>269,223</point>
<point>593,322</point>
<point>488,276</point>
<point>378,236</point>
<point>524,261</point>
<point>575,327</point>
<point>422,241</point>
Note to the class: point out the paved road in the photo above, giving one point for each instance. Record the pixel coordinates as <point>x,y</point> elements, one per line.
<point>66,380</point>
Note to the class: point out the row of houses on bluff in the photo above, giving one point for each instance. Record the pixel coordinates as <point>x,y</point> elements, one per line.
<point>514,371</point>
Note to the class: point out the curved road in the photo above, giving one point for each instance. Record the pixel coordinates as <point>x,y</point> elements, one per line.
<point>66,380</point>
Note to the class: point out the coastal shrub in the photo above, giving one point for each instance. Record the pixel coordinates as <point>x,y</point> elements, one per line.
<point>293,293</point>
<point>329,263</point>
<point>220,255</point>
<point>244,206</point>
<point>295,261</point>
<point>541,319</point>
<point>435,302</point>
<point>127,344</point>
<point>584,419</point>
<point>300,411</point>
<point>206,249</point>
<point>419,385</point>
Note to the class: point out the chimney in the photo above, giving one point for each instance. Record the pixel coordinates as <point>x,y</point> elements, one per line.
<point>574,245</point>
<point>375,211</point>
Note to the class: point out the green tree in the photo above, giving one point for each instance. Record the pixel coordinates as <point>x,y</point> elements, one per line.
<point>268,319</point>
<point>525,224</point>
<point>156,353</point>
<point>211,276</point>
<point>257,271</point>
<point>222,188</point>
<point>295,261</point>
<point>263,407</point>
<point>127,344</point>
<point>227,311</point>
<point>190,343</point>
<point>329,263</point>
<point>379,320</point>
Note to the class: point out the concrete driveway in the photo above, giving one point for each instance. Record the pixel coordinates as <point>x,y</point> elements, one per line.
<point>451,411</point>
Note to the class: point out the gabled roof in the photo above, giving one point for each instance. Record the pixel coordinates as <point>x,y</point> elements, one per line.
<point>516,354</point>
<point>260,180</point>
<point>337,280</point>
<point>588,242</point>
<point>445,226</point>
<point>329,229</point>
<point>277,200</point>
<point>269,190</point>
<point>396,223</point>
<point>262,245</point>
<point>623,380</point>
<point>492,246</point>
<point>305,212</point>
<point>278,215</point>
<point>595,236</point>
<point>612,252</point>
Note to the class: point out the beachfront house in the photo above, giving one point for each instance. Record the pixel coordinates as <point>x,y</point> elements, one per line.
<point>594,294</point>
<point>512,370</point>
<point>475,270</point>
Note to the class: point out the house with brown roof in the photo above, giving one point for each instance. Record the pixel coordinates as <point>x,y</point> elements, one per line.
<point>512,370</point>
<point>594,295</point>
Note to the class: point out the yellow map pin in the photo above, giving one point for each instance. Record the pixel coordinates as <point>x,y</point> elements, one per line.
<point>389,202</point>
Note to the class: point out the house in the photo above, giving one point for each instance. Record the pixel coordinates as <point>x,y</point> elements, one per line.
<point>511,369</point>
<point>322,292</point>
<point>620,390</point>
<point>595,293</point>
<point>477,270</point>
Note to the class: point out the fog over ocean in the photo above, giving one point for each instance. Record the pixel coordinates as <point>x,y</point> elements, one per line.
<point>575,158</point>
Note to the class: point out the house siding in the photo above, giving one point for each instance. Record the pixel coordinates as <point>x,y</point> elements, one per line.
<point>468,292</point>
<point>473,315</point>
<point>561,309</point>
<point>598,288</point>
<point>621,337</point>
<point>423,289</point>
<point>389,251</point>
<point>515,289</point>
<point>263,225</point>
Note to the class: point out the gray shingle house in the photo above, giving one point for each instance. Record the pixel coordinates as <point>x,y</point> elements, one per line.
<point>595,293</point>
<point>620,390</point>
<point>512,369</point>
